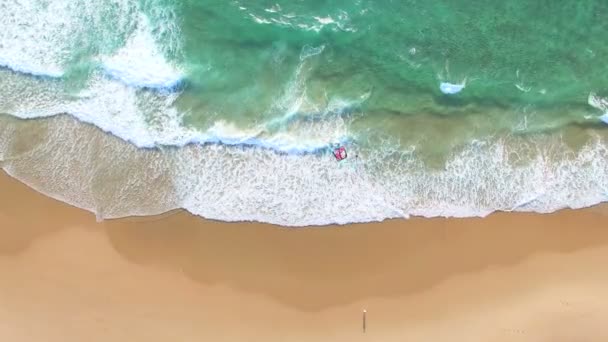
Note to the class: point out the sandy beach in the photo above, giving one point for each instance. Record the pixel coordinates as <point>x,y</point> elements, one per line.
<point>507,277</point>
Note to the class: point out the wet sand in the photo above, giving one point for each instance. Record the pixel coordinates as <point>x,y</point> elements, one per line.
<point>175,277</point>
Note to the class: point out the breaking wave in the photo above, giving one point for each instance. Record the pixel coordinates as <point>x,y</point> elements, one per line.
<point>44,39</point>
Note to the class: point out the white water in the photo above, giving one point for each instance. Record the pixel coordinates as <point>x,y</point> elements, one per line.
<point>224,183</point>
<point>140,63</point>
<point>39,38</point>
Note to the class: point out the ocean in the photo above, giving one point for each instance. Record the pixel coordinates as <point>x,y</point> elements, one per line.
<point>231,109</point>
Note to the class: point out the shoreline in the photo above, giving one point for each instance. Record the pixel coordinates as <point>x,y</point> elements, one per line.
<point>194,178</point>
<point>601,206</point>
<point>522,276</point>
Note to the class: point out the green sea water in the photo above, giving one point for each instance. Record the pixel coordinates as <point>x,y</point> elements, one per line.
<point>295,77</point>
<point>545,56</point>
<point>528,67</point>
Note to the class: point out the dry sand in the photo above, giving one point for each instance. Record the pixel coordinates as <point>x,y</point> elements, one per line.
<point>507,277</point>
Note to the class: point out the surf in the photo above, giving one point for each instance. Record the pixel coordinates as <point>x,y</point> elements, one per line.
<point>42,41</point>
<point>234,184</point>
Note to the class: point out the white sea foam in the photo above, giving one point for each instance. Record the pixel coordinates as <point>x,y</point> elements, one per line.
<point>35,70</point>
<point>325,20</point>
<point>600,103</point>
<point>309,51</point>
<point>233,184</point>
<point>303,21</point>
<point>35,36</point>
<point>451,88</point>
<point>140,63</point>
<point>273,9</point>
<point>39,38</point>
<point>122,111</point>
<point>523,88</point>
<point>260,20</point>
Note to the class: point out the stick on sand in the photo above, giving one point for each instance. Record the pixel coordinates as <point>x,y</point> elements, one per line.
<point>364,312</point>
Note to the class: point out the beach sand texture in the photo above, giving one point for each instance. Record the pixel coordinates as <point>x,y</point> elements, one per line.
<point>507,277</point>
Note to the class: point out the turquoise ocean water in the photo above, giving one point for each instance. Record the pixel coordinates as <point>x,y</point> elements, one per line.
<point>229,109</point>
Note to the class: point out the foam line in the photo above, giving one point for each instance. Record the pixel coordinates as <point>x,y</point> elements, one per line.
<point>30,69</point>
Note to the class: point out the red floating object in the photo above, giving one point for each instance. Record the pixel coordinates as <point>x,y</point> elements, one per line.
<point>340,153</point>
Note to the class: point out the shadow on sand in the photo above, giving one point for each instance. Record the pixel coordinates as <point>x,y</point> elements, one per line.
<point>294,265</point>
